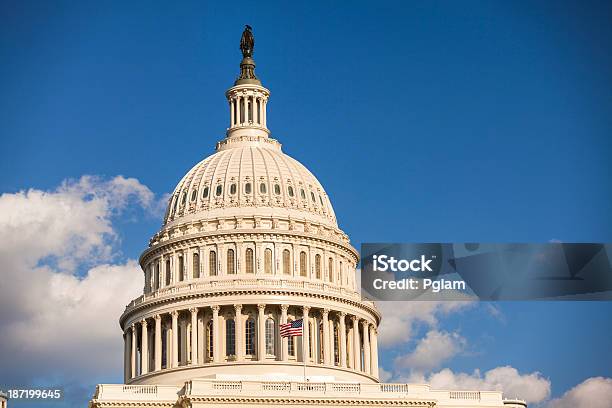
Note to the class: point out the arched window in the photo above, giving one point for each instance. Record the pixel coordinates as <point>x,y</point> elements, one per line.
<point>196,266</point>
<point>303,263</point>
<point>290,191</point>
<point>233,189</point>
<point>286,262</point>
<point>262,188</point>
<point>205,192</point>
<point>330,269</point>
<point>313,197</point>
<point>302,194</point>
<point>168,272</point>
<point>212,263</point>
<point>194,194</point>
<point>321,201</point>
<point>276,189</point>
<point>249,260</point>
<point>247,188</point>
<point>336,344</point>
<point>270,336</point>
<point>181,270</point>
<point>249,337</point>
<point>231,262</point>
<point>268,261</point>
<point>230,338</point>
<point>218,190</point>
<point>318,266</point>
<point>184,199</point>
<point>291,344</point>
<point>210,337</point>
<point>157,276</point>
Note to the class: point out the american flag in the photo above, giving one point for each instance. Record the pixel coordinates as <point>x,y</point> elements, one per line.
<point>290,329</point>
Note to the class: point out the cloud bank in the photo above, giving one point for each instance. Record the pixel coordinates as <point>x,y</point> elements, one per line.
<point>61,292</point>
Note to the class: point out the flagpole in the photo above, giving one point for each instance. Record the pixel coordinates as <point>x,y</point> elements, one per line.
<point>304,351</point>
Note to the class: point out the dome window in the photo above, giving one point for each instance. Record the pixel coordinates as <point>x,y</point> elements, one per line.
<point>290,191</point>
<point>184,199</point>
<point>194,194</point>
<point>314,200</point>
<point>205,192</point>
<point>233,189</point>
<point>262,188</point>
<point>302,194</point>
<point>276,189</point>
<point>247,188</point>
<point>321,200</point>
<point>218,190</point>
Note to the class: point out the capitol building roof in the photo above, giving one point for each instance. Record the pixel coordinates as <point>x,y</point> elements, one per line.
<point>253,177</point>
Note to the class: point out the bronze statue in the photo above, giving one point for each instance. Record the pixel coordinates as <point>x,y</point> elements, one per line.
<point>247,42</point>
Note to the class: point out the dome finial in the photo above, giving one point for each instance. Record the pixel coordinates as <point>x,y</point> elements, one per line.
<point>247,65</point>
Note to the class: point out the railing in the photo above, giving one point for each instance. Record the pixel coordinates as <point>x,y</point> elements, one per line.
<point>465,395</point>
<point>216,283</point>
<point>421,392</point>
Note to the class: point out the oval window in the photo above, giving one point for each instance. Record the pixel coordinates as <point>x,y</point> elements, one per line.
<point>262,188</point>
<point>303,194</point>
<point>233,189</point>
<point>247,188</point>
<point>276,189</point>
<point>218,190</point>
<point>205,192</point>
<point>290,191</point>
<point>194,194</point>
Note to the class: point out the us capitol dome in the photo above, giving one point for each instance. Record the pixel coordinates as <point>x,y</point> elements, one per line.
<point>249,242</point>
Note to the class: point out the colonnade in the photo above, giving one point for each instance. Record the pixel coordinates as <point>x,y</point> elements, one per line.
<point>247,110</point>
<point>203,335</point>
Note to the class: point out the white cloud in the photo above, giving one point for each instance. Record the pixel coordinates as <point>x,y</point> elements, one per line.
<point>595,392</point>
<point>384,375</point>
<point>531,387</point>
<point>60,295</point>
<point>400,318</point>
<point>431,351</point>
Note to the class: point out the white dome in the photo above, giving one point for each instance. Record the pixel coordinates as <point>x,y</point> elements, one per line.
<point>253,178</point>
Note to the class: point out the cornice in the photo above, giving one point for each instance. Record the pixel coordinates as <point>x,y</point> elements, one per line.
<point>142,307</point>
<point>193,238</point>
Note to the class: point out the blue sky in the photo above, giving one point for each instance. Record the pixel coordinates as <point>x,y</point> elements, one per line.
<point>425,121</point>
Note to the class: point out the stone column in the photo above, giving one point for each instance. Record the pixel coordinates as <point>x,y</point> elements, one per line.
<point>133,356</point>
<point>127,349</point>
<point>305,334</point>
<point>264,116</point>
<point>261,332</point>
<point>284,340</point>
<point>231,104</point>
<point>342,340</point>
<point>174,315</point>
<point>239,336</point>
<point>356,344</point>
<point>350,352</point>
<point>325,345</point>
<point>158,343</point>
<point>144,348</point>
<point>374,350</point>
<point>194,335</point>
<point>366,346</point>
<point>216,351</point>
